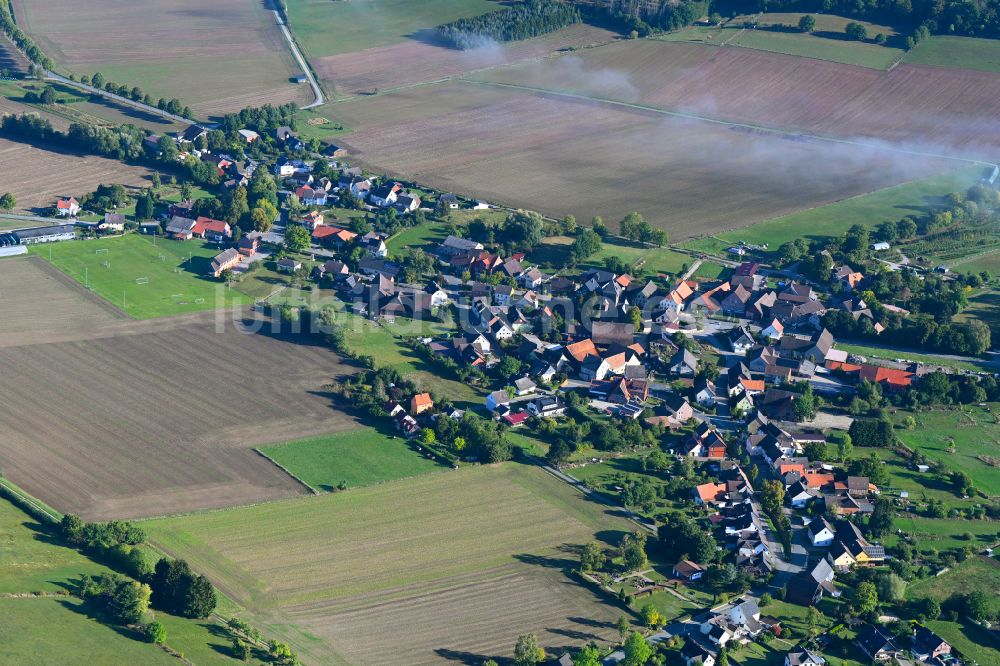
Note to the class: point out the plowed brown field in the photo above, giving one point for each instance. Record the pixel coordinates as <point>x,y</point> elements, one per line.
<point>37,177</point>
<point>218,56</point>
<point>417,61</point>
<point>562,155</point>
<point>928,108</point>
<point>148,422</point>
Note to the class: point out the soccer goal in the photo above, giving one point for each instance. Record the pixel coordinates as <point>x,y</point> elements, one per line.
<point>102,250</point>
<point>177,296</point>
<point>162,258</point>
<point>142,280</point>
<point>106,264</point>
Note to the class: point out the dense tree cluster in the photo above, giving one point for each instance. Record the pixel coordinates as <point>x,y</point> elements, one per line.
<point>522,21</point>
<point>178,590</point>
<point>137,94</point>
<point>681,538</point>
<point>125,599</point>
<point>645,17</point>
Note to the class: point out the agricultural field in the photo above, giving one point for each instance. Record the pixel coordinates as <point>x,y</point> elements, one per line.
<point>377,69</point>
<point>163,417</point>
<point>888,204</point>
<point>911,108</point>
<point>984,306</point>
<point>975,431</point>
<point>943,534</point>
<point>216,60</point>
<point>778,33</point>
<point>456,563</point>
<point>555,251</point>
<point>554,154</point>
<point>143,279</point>
<point>963,52</point>
<point>323,28</point>
<point>355,458</point>
<point>30,174</point>
<point>45,302</point>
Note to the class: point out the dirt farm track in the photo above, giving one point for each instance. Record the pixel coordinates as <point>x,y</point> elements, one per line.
<point>135,419</point>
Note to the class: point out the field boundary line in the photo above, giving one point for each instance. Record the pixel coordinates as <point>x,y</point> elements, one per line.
<point>725,123</point>
<point>16,494</point>
<point>286,471</point>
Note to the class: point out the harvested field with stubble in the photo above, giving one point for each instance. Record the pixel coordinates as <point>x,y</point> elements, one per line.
<point>379,67</point>
<point>451,565</point>
<point>37,177</point>
<point>149,422</point>
<point>216,57</point>
<point>924,108</point>
<point>559,154</point>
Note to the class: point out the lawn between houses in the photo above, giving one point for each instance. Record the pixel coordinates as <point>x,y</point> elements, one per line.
<point>433,555</point>
<point>354,458</point>
<point>142,279</point>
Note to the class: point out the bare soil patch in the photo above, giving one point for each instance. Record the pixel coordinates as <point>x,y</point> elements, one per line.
<point>37,177</point>
<point>381,67</point>
<point>561,155</point>
<point>160,422</point>
<point>36,299</point>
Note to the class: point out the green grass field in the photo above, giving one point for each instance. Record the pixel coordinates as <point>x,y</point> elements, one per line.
<point>889,204</point>
<point>175,284</point>
<point>951,51</point>
<point>975,431</point>
<point>984,306</point>
<point>360,457</point>
<point>319,558</point>
<point>554,251</point>
<point>920,486</point>
<point>826,42</point>
<point>31,561</point>
<point>945,533</point>
<point>977,573</point>
<point>324,28</point>
<point>873,352</point>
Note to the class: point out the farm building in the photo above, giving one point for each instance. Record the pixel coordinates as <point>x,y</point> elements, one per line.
<point>57,232</point>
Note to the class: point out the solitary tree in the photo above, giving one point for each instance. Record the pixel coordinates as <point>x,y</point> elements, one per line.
<point>637,650</point>
<point>8,201</point>
<point>527,652</point>
<point>856,31</point>
<point>807,23</point>
<point>297,238</point>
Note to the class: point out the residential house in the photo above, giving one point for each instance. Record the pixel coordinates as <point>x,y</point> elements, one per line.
<point>421,403</point>
<point>688,571</point>
<point>312,196</point>
<point>248,135</point>
<point>336,270</point>
<point>683,364</point>
<point>224,261</point>
<point>496,400</point>
<point>821,533</point>
<point>695,653</point>
<point>448,202</point>
<point>679,408</point>
<point>876,643</point>
<point>706,442</point>
<point>773,331</point>
<point>249,243</point>
<point>112,222</point>
<point>385,195</point>
<point>312,219</point>
<point>67,207</point>
<point>804,658</point>
<point>531,278</point>
<point>288,265</point>
<point>407,203</point>
<point>927,646</point>
<point>547,406</point>
<point>740,340</point>
<point>180,228</point>
<point>524,386</point>
<point>705,393</point>
<point>215,231</point>
<point>453,246</point>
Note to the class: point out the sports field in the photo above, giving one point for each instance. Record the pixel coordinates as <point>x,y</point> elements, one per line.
<point>964,52</point>
<point>162,416</point>
<point>216,58</point>
<point>440,566</point>
<point>143,279</point>
<point>357,458</point>
<point>976,434</point>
